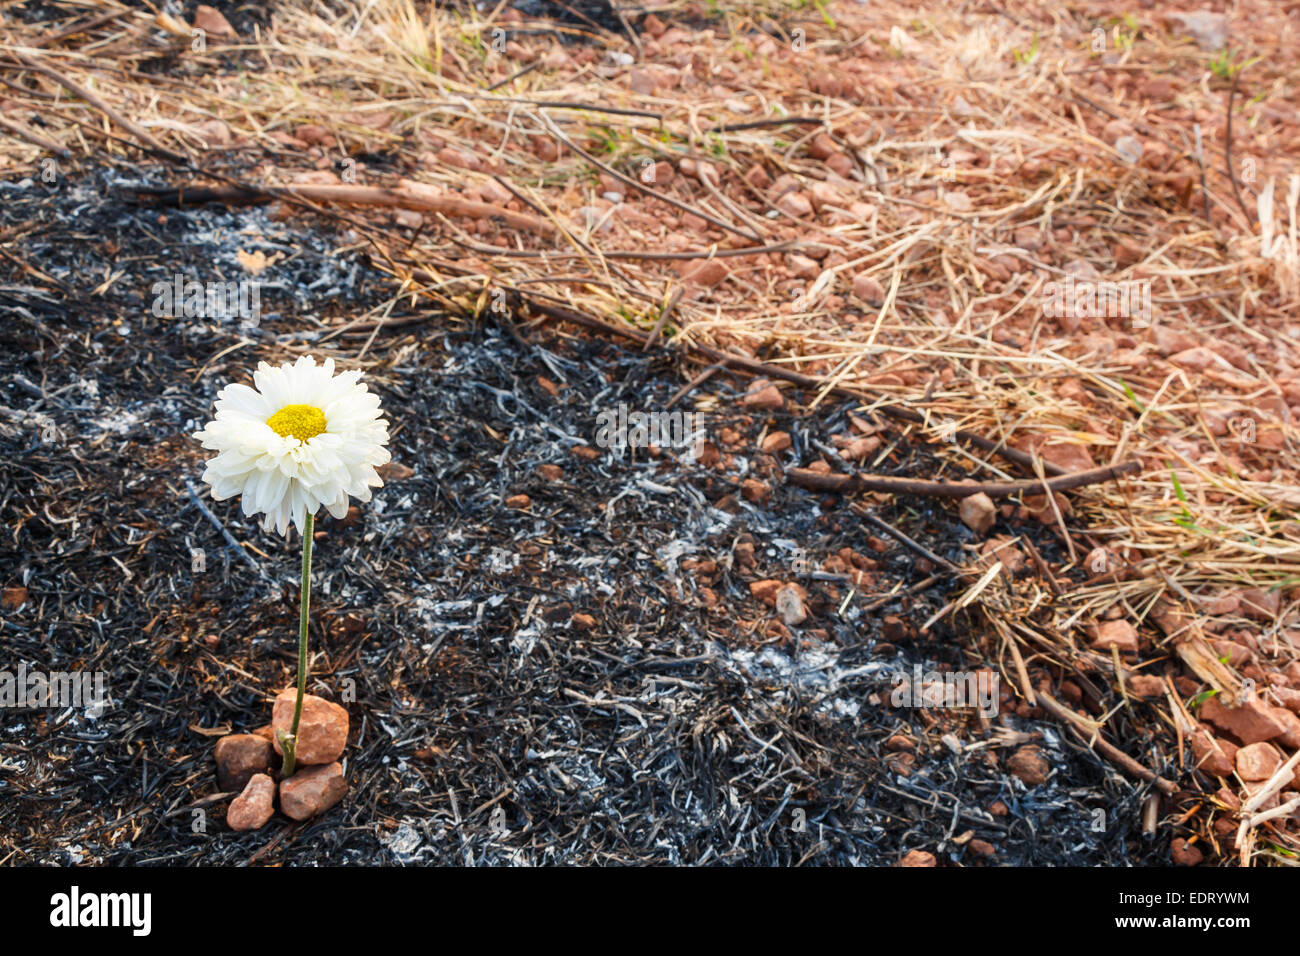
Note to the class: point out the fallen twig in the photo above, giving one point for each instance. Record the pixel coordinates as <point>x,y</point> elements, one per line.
<point>1099,743</point>
<point>1227,146</point>
<point>903,539</point>
<point>844,484</point>
<point>23,133</point>
<point>408,195</point>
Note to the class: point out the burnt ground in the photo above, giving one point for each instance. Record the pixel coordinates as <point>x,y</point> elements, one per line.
<point>685,726</point>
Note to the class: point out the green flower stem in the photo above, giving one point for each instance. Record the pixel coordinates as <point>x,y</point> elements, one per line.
<point>291,745</point>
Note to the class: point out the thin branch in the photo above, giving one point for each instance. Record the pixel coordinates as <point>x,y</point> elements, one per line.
<point>845,484</point>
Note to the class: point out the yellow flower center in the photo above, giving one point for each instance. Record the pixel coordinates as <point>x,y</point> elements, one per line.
<point>300,421</point>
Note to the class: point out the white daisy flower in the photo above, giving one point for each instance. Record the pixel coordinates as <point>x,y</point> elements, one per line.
<point>303,438</point>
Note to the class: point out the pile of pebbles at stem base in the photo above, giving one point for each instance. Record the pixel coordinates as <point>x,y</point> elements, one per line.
<point>249,763</point>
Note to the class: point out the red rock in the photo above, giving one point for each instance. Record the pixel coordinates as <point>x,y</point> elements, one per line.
<point>661,173</point>
<point>764,396</point>
<point>1119,634</point>
<point>1065,454</point>
<point>313,134</point>
<point>802,267</point>
<point>1233,354</point>
<point>977,512</point>
<point>312,790</point>
<point>1171,619</point>
<point>795,204</point>
<point>901,763</point>
<point>699,169</point>
<point>1029,764</point>
<point>1260,604</point>
<point>546,148</point>
<point>254,806</point>
<point>863,210</point>
<point>1237,655</point>
<point>1228,799</point>
<point>1184,854</point>
<point>644,81</point>
<point>451,156</point>
<point>212,22</point>
<point>706,273</point>
<point>758,178</point>
<point>394,471</point>
<point>215,132</point>
<point>1126,252</point>
<point>1213,756</point>
<point>693,223</point>
<point>1004,549</point>
<point>860,449</point>
<point>1254,788</point>
<point>1198,359</point>
<point>840,165</point>
<point>492,191</point>
<point>318,177</point>
<point>775,442</point>
<point>918,858</point>
<point>239,758</point>
<point>755,491</point>
<point>981,847</point>
<point>1145,685</point>
<point>550,472</point>
<point>822,147</point>
<point>1038,506</point>
<point>1224,605</point>
<point>868,289</point>
<point>1257,761</point>
<point>767,590</point>
<point>1289,697</point>
<point>407,219</point>
<point>1170,341</point>
<point>518,502</point>
<point>1158,88</point>
<point>322,731</point>
<point>1290,736</point>
<point>1225,828</point>
<point>1250,722</point>
<point>827,194</point>
<point>583,622</point>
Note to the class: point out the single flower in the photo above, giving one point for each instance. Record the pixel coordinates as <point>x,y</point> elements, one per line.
<point>302,438</point>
